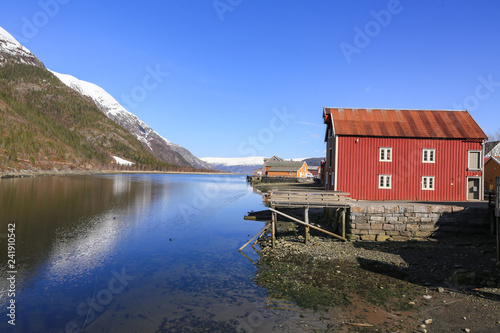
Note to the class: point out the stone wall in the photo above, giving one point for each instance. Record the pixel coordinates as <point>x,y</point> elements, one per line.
<point>383,222</point>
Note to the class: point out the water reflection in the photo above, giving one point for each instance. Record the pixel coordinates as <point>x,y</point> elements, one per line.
<point>175,236</point>
<point>57,213</point>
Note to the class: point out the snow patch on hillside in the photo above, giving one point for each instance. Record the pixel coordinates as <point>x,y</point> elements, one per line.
<point>121,161</point>
<point>143,132</point>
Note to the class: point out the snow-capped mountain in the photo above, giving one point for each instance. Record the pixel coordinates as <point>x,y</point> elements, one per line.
<point>243,165</point>
<point>11,50</point>
<point>231,161</point>
<point>160,147</point>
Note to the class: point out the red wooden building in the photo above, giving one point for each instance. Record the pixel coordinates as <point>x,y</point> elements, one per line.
<point>423,155</point>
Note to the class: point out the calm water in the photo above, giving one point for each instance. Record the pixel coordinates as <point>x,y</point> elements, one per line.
<point>133,253</point>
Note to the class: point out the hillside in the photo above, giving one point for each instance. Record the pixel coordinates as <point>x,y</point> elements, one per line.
<point>44,125</point>
<point>160,147</point>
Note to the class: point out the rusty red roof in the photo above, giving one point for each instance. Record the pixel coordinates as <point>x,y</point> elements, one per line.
<point>404,123</point>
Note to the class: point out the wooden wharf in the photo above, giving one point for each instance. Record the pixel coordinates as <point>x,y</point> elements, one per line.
<point>276,200</point>
<point>311,199</point>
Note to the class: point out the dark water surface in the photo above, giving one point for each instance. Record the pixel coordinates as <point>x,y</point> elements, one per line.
<point>132,253</point>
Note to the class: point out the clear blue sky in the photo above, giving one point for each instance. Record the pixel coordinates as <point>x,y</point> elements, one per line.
<point>251,77</point>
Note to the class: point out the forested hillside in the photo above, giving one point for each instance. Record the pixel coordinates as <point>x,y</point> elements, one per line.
<point>45,125</point>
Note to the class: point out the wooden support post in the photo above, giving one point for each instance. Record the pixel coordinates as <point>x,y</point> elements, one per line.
<point>256,235</point>
<point>343,222</point>
<point>498,238</point>
<point>306,228</point>
<point>309,225</point>
<point>274,217</point>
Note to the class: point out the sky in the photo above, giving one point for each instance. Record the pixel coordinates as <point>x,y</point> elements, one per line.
<point>236,78</point>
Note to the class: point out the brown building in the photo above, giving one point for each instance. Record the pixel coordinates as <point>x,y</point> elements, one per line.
<point>491,172</point>
<point>294,169</point>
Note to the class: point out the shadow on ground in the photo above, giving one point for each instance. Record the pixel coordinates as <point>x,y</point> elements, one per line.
<point>461,264</point>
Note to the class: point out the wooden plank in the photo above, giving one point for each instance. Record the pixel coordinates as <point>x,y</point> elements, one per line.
<point>309,225</point>
<point>273,229</point>
<point>256,235</point>
<point>306,228</point>
<point>343,223</point>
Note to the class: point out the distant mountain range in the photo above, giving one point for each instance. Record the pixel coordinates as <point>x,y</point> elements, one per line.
<point>246,165</point>
<point>241,165</point>
<point>54,121</point>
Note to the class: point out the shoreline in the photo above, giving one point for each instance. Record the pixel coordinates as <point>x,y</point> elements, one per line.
<point>387,286</point>
<point>47,173</point>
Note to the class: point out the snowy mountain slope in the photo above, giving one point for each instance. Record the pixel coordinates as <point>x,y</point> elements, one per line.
<point>243,165</point>
<point>161,148</point>
<point>231,161</point>
<point>44,125</point>
<point>11,50</point>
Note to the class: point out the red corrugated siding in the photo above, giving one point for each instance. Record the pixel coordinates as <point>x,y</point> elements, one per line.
<point>359,167</point>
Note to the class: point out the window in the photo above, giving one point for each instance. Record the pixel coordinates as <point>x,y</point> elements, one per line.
<point>384,181</point>
<point>427,182</point>
<point>330,158</point>
<point>474,160</point>
<point>385,154</point>
<point>429,156</point>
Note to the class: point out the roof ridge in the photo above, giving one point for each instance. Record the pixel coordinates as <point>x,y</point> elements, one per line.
<point>431,124</point>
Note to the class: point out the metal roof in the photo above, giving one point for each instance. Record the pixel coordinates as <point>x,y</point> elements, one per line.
<point>404,123</point>
<point>490,146</point>
<point>286,166</point>
<point>283,169</point>
<point>297,164</point>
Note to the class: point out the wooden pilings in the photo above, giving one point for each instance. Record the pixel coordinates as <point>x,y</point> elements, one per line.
<point>306,228</point>
<point>302,222</point>
<point>343,223</point>
<point>274,218</point>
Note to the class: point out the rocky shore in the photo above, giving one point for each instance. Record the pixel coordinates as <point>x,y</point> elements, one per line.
<point>388,286</point>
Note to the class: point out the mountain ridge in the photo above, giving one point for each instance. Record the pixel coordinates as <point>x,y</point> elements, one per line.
<point>159,146</point>
<point>35,107</point>
<point>45,125</point>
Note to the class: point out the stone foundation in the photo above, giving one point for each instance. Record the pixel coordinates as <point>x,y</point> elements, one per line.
<point>399,222</point>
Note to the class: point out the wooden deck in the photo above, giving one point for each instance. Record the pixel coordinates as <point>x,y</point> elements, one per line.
<point>313,199</point>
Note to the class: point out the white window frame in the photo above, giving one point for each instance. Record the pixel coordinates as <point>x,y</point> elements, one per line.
<point>428,183</point>
<point>428,155</point>
<point>382,154</point>
<point>469,160</point>
<point>385,182</point>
